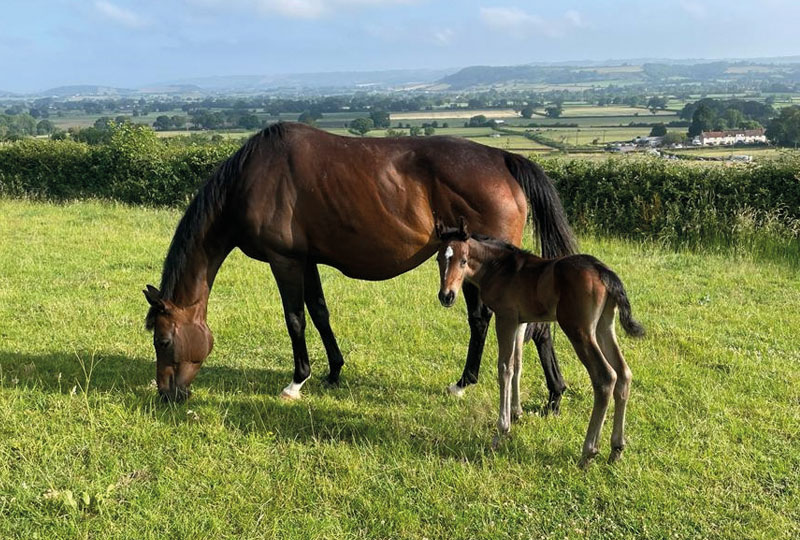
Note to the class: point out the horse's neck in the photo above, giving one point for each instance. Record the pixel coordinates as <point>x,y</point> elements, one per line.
<point>481,258</point>
<point>193,284</point>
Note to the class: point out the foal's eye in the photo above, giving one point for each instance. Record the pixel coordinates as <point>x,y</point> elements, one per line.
<point>163,343</point>
<point>463,262</point>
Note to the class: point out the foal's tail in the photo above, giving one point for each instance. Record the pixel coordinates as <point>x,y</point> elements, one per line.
<point>549,219</point>
<point>617,292</point>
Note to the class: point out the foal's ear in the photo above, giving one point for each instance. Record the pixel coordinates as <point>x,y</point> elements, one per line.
<point>439,228</point>
<point>462,228</point>
<point>153,297</point>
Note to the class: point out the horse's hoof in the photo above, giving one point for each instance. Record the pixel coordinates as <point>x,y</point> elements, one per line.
<point>499,439</point>
<point>290,395</point>
<point>516,415</point>
<point>330,382</point>
<point>586,460</point>
<point>455,390</point>
<point>615,455</point>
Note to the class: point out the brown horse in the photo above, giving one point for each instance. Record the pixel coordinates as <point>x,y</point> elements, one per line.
<point>296,197</point>
<point>578,291</point>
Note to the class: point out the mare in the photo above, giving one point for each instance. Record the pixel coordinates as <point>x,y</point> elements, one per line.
<point>578,291</point>
<point>296,197</point>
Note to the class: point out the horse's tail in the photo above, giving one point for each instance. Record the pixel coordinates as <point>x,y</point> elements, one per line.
<point>549,219</point>
<point>617,292</point>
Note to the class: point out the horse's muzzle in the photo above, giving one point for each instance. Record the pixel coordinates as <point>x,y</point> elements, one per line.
<point>447,299</point>
<point>175,394</point>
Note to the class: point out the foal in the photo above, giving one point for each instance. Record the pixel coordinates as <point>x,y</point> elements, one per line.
<point>578,291</point>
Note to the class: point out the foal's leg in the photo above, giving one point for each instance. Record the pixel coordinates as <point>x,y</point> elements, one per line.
<point>519,340</point>
<point>315,302</point>
<point>603,380</point>
<point>607,339</point>
<point>541,336</point>
<point>506,334</point>
<point>289,276</point>
<point>478,316</point>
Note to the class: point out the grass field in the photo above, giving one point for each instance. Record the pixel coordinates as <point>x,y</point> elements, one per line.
<point>87,451</point>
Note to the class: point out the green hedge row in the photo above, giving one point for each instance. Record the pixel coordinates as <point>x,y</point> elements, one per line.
<point>681,203</point>
<point>134,167</point>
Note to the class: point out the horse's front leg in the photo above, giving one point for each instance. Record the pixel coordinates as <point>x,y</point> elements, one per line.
<point>289,276</point>
<point>479,317</point>
<point>506,336</point>
<point>543,338</point>
<point>516,404</point>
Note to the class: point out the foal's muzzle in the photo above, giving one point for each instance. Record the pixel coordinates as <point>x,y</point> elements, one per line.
<point>175,394</point>
<point>447,299</point>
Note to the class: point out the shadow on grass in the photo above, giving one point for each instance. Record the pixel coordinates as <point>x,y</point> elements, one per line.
<point>247,401</point>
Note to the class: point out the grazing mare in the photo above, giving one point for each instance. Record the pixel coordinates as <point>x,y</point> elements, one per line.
<point>296,197</point>
<point>578,291</point>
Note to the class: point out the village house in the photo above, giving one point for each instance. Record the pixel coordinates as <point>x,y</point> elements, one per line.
<point>731,137</point>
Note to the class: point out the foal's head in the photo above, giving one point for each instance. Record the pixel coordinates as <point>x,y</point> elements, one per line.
<point>453,258</point>
<point>182,341</point>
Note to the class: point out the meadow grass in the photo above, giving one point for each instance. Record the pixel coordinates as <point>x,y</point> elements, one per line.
<point>87,450</point>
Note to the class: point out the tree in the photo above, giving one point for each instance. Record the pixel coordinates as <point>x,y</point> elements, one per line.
<point>784,130</point>
<point>44,127</point>
<point>361,126</point>
<point>477,121</point>
<point>527,112</point>
<point>429,130</point>
<point>702,120</point>
<point>380,119</point>
<point>249,121</point>
<point>659,130</point>
<point>415,131</point>
<point>309,117</point>
<point>162,123</point>
<point>553,111</point>
<point>656,103</point>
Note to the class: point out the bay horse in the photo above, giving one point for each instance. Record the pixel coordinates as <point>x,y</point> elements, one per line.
<point>578,291</point>
<point>296,197</point>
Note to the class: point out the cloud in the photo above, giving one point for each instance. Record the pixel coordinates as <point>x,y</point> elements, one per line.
<point>119,15</point>
<point>521,24</point>
<point>695,9</point>
<point>298,9</point>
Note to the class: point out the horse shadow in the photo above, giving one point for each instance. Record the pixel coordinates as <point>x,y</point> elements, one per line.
<point>246,400</point>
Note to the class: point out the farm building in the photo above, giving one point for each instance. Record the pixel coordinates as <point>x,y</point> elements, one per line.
<point>728,138</point>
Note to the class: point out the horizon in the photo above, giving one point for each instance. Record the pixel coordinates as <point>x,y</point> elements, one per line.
<point>109,43</point>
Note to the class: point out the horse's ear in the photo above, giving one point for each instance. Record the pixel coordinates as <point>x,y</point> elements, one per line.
<point>462,228</point>
<point>153,297</point>
<point>439,228</point>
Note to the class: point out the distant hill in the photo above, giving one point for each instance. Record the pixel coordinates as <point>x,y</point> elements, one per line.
<point>772,70</point>
<point>85,90</point>
<point>5,94</point>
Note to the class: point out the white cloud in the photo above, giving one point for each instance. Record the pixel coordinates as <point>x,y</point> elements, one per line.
<point>298,9</point>
<point>695,9</point>
<point>119,15</point>
<point>521,24</point>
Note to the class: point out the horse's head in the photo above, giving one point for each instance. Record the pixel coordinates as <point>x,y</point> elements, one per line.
<point>182,341</point>
<point>452,259</point>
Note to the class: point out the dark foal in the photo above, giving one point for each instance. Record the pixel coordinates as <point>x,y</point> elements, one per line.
<point>296,197</point>
<point>578,291</point>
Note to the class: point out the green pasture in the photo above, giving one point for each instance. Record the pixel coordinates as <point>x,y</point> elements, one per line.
<point>88,452</point>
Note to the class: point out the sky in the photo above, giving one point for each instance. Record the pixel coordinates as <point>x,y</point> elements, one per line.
<point>132,43</point>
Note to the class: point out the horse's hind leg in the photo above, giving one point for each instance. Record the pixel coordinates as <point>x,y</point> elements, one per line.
<point>289,276</point>
<point>516,405</point>
<point>542,337</point>
<point>479,317</point>
<point>603,380</point>
<point>607,339</point>
<point>318,309</point>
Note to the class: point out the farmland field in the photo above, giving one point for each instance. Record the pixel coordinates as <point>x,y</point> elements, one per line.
<point>88,452</point>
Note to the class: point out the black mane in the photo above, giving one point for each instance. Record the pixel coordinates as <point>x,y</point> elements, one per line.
<point>206,206</point>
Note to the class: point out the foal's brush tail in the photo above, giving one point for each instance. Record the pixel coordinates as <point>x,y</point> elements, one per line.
<point>617,292</point>
<point>549,219</point>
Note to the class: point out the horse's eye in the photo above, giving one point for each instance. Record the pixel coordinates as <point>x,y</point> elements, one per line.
<point>163,343</point>
<point>463,262</point>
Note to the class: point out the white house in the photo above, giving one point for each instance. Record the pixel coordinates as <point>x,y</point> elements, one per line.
<point>729,138</point>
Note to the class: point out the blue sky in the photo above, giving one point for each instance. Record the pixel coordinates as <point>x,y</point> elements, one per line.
<point>45,43</point>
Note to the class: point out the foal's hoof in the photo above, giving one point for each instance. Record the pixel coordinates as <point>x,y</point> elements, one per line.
<point>290,395</point>
<point>498,440</point>
<point>516,415</point>
<point>615,455</point>
<point>455,390</point>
